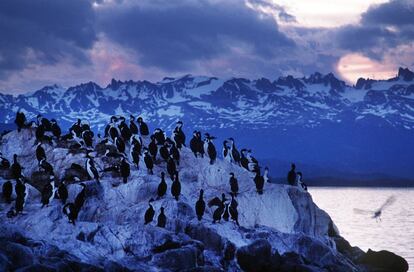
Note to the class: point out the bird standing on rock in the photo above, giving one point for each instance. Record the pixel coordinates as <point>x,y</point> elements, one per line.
<point>143,127</point>
<point>210,149</point>
<point>234,185</point>
<point>259,181</point>
<point>132,126</point>
<point>40,152</point>
<point>200,206</point>
<point>162,187</point>
<point>62,192</point>
<point>162,219</point>
<point>48,192</point>
<point>125,170</point>
<point>171,167</point>
<point>91,168</point>
<point>7,190</point>
<point>153,148</point>
<point>291,178</point>
<point>149,213</point>
<point>234,153</point>
<point>176,187</point>
<point>149,163</point>
<point>16,168</point>
<point>178,135</point>
<point>20,120</point>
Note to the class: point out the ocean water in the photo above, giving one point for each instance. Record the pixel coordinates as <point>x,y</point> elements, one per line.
<point>395,230</point>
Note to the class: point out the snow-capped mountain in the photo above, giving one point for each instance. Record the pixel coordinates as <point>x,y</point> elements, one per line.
<point>318,121</point>
<point>209,102</point>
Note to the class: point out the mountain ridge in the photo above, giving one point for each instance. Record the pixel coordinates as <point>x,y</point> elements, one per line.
<point>305,101</point>
<point>316,120</point>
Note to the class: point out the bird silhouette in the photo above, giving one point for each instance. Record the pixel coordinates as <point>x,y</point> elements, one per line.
<point>376,214</point>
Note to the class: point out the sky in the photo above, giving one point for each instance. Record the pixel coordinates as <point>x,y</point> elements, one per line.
<point>62,42</point>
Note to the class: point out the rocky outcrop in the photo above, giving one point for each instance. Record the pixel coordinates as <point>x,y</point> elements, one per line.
<point>282,229</point>
<point>383,261</point>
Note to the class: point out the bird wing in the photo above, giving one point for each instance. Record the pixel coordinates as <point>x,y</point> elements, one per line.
<point>360,211</point>
<point>387,202</point>
<point>215,202</point>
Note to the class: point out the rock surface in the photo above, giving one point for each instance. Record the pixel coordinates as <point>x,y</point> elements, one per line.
<point>281,229</point>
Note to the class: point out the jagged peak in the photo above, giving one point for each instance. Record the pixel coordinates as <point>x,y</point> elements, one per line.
<point>86,86</point>
<point>405,74</point>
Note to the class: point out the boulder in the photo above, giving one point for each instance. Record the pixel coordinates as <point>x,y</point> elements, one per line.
<point>208,236</point>
<point>177,259</point>
<point>384,260</point>
<point>18,255</point>
<point>255,257</point>
<point>4,263</point>
<point>36,268</point>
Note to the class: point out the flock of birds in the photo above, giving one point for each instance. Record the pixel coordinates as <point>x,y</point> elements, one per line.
<point>122,146</point>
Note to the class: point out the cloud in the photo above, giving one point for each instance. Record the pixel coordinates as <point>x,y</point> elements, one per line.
<point>44,32</point>
<point>173,38</point>
<point>382,28</point>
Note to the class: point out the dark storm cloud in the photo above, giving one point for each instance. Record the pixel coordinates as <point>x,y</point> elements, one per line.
<point>44,32</point>
<point>173,37</point>
<point>381,28</point>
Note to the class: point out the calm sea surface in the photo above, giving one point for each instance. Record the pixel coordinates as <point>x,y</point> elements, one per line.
<point>395,231</point>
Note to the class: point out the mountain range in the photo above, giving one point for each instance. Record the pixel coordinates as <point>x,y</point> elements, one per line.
<point>331,129</point>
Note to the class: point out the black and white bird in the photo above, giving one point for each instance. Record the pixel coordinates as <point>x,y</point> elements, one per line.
<point>48,192</point>
<point>149,163</point>
<point>40,152</point>
<point>266,175</point>
<point>132,126</point>
<point>209,148</point>
<point>120,145</point>
<point>159,136</point>
<point>196,144</point>
<point>176,187</point>
<point>175,153</point>
<point>234,185</point>
<point>80,197</point>
<point>299,181</point>
<point>62,192</point>
<point>244,162</point>
<point>143,127</point>
<point>71,212</point>
<point>56,130</point>
<point>178,135</point>
<point>46,167</point>
<point>234,214</point>
<point>91,168</point>
<point>125,170</point>
<point>153,148</point>
<point>164,152</point>
<point>234,153</point>
<point>87,136</point>
<point>134,154</point>
<point>259,181</point>
<point>226,152</point>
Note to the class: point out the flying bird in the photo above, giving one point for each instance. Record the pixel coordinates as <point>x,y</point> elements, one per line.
<point>377,213</point>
